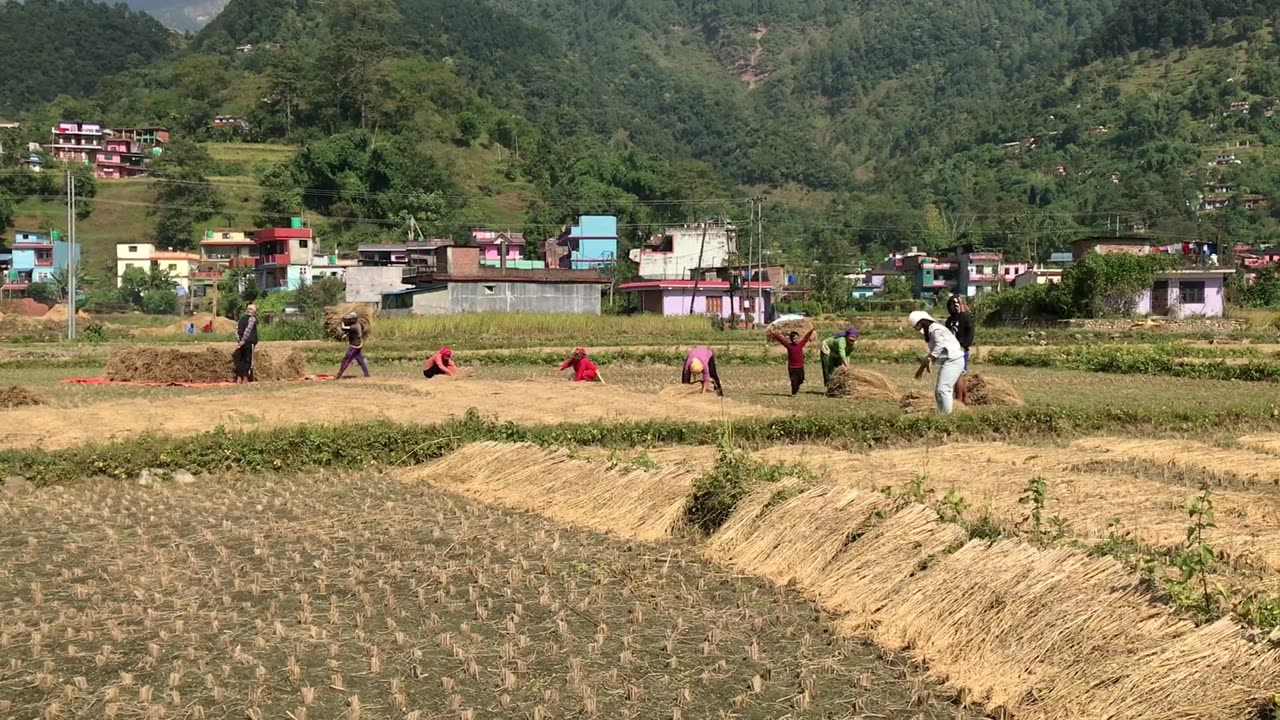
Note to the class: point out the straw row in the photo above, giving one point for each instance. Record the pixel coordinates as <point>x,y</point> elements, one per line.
<point>639,504</point>
<point>1021,631</point>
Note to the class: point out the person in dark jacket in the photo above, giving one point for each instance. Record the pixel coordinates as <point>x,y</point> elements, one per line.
<point>246,341</point>
<point>355,344</point>
<point>960,323</point>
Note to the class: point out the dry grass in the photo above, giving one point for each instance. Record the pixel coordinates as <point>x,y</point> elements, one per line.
<point>1245,464</point>
<point>143,363</point>
<point>334,318</point>
<point>859,384</point>
<point>984,390</point>
<point>639,504</point>
<point>352,596</point>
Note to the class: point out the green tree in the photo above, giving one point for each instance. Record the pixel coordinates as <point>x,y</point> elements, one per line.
<point>136,283</point>
<point>185,196</point>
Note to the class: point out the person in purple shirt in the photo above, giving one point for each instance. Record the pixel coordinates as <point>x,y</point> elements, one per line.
<point>701,361</point>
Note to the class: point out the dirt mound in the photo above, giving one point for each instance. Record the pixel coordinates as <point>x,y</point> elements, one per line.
<point>18,396</point>
<point>221,326</point>
<point>140,363</point>
<point>861,384</point>
<point>27,307</point>
<point>333,319</point>
<point>58,314</point>
<point>983,390</point>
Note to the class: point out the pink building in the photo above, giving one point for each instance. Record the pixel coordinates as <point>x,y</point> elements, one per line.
<point>709,297</point>
<point>1185,293</point>
<point>494,245</point>
<point>1011,270</point>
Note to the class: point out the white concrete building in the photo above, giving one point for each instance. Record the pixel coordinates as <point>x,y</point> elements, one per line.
<point>179,265</point>
<point>679,251</point>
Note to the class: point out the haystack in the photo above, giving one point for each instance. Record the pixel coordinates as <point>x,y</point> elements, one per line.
<point>18,396</point>
<point>140,363</point>
<point>861,384</point>
<point>58,313</point>
<point>916,402</point>
<point>983,390</point>
<point>333,319</point>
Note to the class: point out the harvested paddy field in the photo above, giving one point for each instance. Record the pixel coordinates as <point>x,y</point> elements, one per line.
<point>185,411</point>
<point>358,596</point>
<point>973,612</point>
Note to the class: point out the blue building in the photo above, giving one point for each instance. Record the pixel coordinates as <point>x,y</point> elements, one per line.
<point>36,255</point>
<point>590,244</point>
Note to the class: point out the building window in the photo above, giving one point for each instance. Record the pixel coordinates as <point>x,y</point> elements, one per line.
<point>128,265</point>
<point>1191,292</point>
<point>302,244</point>
<point>715,305</point>
<point>173,267</point>
<point>133,248</point>
<point>226,236</point>
<point>489,289</point>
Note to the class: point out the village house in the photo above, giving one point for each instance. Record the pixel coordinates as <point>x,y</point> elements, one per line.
<point>36,255</point>
<point>590,243</point>
<point>283,257</point>
<point>1011,270</point>
<point>1213,202</point>
<point>457,282</point>
<point>929,275</point>
<point>113,153</point>
<point>147,257</point>
<point>978,271</point>
<point>681,250</point>
<point>1254,201</point>
<point>1038,276</point>
<point>1104,245</point>
<point>717,298</point>
<point>1239,107</point>
<point>1225,158</point>
<point>1186,293</point>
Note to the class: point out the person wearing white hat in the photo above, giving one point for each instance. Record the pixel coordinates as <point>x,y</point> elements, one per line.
<point>945,351</point>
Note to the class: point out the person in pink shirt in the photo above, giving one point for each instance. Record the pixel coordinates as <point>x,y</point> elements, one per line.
<point>701,362</point>
<point>439,364</point>
<point>583,369</point>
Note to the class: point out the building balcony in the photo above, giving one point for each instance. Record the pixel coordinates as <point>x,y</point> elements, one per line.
<point>206,275</point>
<point>985,277</point>
<point>274,259</point>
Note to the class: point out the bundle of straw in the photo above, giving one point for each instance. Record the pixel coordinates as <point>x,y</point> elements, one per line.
<point>916,402</point>
<point>990,391</point>
<point>784,328</point>
<point>333,319</point>
<point>848,382</point>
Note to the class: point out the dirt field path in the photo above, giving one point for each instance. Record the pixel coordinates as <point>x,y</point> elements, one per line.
<point>407,401</point>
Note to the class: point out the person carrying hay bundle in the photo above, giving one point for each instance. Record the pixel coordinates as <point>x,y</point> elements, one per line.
<point>355,344</point>
<point>246,341</point>
<point>584,370</point>
<point>836,351</point>
<point>441,363</point>
<point>960,323</point>
<point>794,345</point>
<point>944,351</point>
<point>700,362</point>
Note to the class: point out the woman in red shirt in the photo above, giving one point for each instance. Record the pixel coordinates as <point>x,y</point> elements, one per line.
<point>795,356</point>
<point>583,368</point>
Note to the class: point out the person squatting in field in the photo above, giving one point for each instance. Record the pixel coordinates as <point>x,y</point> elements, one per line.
<point>836,351</point>
<point>441,363</point>
<point>960,323</point>
<point>795,356</point>
<point>246,341</point>
<point>355,344</point>
<point>583,369</point>
<point>701,362</point>
<point>944,351</point>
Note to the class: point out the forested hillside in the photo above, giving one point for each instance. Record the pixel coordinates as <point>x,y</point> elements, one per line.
<point>55,47</point>
<point>868,125</point>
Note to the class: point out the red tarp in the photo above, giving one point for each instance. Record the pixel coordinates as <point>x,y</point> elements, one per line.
<point>104,381</point>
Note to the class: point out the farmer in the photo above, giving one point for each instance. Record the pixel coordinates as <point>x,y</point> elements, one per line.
<point>701,362</point>
<point>246,341</point>
<point>439,364</point>
<point>960,323</point>
<point>835,352</point>
<point>943,350</point>
<point>583,369</point>
<point>795,356</point>
<point>355,344</point>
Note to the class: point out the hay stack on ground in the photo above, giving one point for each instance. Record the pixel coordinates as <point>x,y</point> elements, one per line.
<point>333,319</point>
<point>916,402</point>
<point>982,390</point>
<point>141,363</point>
<point>58,313</point>
<point>18,396</point>
<point>859,384</point>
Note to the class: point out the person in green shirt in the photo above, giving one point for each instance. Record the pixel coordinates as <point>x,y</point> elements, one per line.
<point>836,351</point>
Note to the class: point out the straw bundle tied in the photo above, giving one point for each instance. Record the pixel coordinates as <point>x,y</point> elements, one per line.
<point>1007,621</point>
<point>1213,673</point>
<point>861,385</point>
<point>640,504</point>
<point>795,540</point>
<point>916,402</point>
<point>333,319</point>
<point>868,574</point>
<point>786,327</point>
<point>982,390</point>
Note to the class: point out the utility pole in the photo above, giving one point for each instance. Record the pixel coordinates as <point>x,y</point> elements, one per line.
<point>698,271</point>
<point>70,267</point>
<point>760,257</point>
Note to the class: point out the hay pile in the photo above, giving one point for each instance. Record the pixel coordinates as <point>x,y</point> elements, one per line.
<point>848,382</point>
<point>140,363</point>
<point>916,402</point>
<point>333,319</point>
<point>18,396</point>
<point>983,390</point>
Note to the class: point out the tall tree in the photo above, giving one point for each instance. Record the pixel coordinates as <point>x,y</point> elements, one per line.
<point>185,196</point>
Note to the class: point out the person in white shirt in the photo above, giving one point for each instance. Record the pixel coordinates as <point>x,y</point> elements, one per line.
<point>945,351</point>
